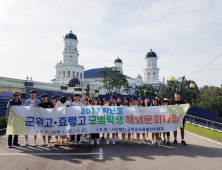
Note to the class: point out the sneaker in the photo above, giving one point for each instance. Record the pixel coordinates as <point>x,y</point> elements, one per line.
<point>183,143</point>
<point>168,143</point>
<point>158,142</point>
<point>49,145</point>
<point>92,142</point>
<point>175,141</point>
<point>117,138</point>
<point>143,142</point>
<point>139,142</point>
<point>86,139</point>
<point>72,143</point>
<point>79,143</point>
<point>56,143</point>
<point>164,141</point>
<point>97,141</point>
<point>160,139</point>
<point>62,143</point>
<point>9,146</point>
<point>24,144</point>
<point>107,141</point>
<point>34,143</point>
<point>43,144</point>
<point>16,144</point>
<point>113,142</point>
<point>153,143</point>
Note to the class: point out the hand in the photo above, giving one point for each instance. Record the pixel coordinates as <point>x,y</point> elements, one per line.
<point>189,106</point>
<point>34,106</point>
<point>130,104</point>
<point>38,106</point>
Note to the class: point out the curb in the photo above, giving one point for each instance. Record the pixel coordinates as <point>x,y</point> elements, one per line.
<point>3,131</point>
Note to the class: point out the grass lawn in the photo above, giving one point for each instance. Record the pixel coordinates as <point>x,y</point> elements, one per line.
<point>204,132</point>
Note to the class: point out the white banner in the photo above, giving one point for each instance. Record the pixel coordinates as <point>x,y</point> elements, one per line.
<point>26,120</point>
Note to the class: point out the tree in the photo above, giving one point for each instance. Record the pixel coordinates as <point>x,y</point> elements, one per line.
<point>167,91</point>
<point>147,90</point>
<point>210,98</point>
<point>114,82</point>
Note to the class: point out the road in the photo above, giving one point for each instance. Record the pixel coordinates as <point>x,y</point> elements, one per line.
<point>198,154</point>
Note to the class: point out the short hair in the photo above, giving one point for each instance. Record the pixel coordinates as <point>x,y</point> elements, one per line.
<point>16,92</point>
<point>53,97</point>
<point>44,95</point>
<point>33,91</point>
<point>177,92</point>
<point>104,99</point>
<point>70,98</point>
<point>62,99</point>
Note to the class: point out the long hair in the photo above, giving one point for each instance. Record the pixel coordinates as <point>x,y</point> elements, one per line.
<point>156,101</point>
<point>95,99</point>
<point>126,98</point>
<point>113,99</point>
<point>140,99</point>
<point>147,104</point>
<point>118,104</point>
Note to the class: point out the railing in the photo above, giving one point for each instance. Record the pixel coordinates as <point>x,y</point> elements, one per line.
<point>203,122</point>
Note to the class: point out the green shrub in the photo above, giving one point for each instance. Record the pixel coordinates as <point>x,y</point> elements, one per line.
<point>3,123</point>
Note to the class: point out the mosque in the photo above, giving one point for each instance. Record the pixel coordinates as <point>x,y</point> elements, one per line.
<point>72,77</point>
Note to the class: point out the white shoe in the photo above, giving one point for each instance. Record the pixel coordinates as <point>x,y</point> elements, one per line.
<point>79,143</point>
<point>72,143</point>
<point>97,141</point>
<point>158,142</point>
<point>107,141</point>
<point>153,142</point>
<point>85,140</point>
<point>113,142</point>
<point>93,141</point>
<point>139,142</point>
<point>49,145</point>
<point>34,143</point>
<point>25,144</point>
<point>143,142</point>
<point>117,138</point>
<point>43,144</point>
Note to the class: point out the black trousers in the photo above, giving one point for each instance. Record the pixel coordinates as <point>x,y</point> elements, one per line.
<point>73,137</point>
<point>15,141</point>
<point>94,135</point>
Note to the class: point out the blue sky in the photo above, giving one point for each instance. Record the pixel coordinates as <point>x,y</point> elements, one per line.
<point>186,35</point>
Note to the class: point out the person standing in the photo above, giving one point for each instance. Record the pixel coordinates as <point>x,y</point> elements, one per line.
<point>46,105</point>
<point>14,102</point>
<point>141,104</point>
<point>76,103</point>
<point>95,136</point>
<point>32,102</point>
<point>178,101</point>
<point>155,103</point>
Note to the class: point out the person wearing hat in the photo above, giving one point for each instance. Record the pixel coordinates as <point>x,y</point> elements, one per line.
<point>31,102</point>
<point>45,104</point>
<point>76,103</point>
<point>178,101</point>
<point>165,102</point>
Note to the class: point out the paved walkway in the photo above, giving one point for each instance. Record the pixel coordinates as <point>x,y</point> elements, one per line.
<point>199,154</point>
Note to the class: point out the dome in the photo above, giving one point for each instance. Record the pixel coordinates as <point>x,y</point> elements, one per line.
<point>151,54</point>
<point>71,35</point>
<point>118,60</point>
<point>72,82</point>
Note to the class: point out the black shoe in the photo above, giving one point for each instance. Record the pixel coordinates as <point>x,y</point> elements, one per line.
<point>175,141</point>
<point>102,138</point>
<point>168,143</point>
<point>164,141</point>
<point>160,139</point>
<point>183,143</point>
<point>16,144</point>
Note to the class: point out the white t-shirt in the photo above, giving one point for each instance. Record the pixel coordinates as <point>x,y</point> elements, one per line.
<point>32,102</point>
<point>59,104</point>
<point>77,104</point>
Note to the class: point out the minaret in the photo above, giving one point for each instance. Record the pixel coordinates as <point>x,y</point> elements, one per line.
<point>118,63</point>
<point>151,72</point>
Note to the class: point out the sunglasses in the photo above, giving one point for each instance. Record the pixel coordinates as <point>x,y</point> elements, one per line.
<point>15,95</point>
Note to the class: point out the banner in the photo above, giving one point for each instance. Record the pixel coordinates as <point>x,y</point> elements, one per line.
<point>26,120</point>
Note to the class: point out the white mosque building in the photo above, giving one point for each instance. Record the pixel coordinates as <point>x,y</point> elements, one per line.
<point>69,72</point>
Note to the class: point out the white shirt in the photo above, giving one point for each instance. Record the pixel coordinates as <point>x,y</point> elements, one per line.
<point>77,104</point>
<point>59,104</point>
<point>32,102</point>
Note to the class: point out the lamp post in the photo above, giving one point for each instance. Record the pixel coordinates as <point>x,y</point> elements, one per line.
<point>182,81</point>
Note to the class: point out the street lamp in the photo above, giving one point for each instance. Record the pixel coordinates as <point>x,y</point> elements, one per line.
<point>182,81</point>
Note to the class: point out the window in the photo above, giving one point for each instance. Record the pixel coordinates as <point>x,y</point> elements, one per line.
<point>153,73</point>
<point>80,75</point>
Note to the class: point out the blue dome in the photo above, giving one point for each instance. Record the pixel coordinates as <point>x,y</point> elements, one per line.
<point>118,60</point>
<point>151,54</point>
<point>71,35</point>
<point>72,82</point>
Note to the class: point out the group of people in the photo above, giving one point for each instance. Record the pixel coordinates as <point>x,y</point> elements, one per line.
<point>87,101</point>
